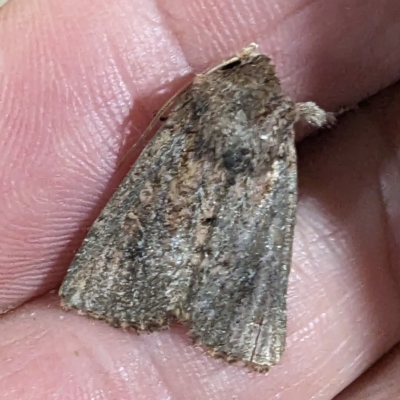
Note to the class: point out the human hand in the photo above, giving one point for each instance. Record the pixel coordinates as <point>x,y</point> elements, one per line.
<point>79,86</point>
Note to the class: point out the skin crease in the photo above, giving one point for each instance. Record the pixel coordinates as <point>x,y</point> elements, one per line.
<point>80,81</point>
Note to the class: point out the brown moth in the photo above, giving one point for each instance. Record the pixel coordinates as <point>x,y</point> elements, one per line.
<point>201,228</point>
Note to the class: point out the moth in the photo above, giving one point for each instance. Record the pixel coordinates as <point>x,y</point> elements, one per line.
<point>201,228</point>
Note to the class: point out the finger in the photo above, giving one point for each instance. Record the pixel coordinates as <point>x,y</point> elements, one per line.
<point>57,354</point>
<point>348,239</point>
<point>379,382</point>
<point>73,90</point>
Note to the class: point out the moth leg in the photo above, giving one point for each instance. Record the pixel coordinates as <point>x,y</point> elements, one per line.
<point>314,115</point>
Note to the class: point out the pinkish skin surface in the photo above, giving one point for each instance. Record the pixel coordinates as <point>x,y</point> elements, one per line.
<point>80,81</point>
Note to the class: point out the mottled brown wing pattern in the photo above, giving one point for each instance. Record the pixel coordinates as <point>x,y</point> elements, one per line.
<point>201,228</point>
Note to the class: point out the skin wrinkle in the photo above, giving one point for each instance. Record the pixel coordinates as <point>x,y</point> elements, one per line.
<point>390,235</point>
